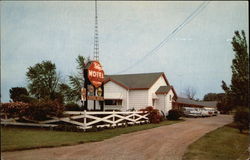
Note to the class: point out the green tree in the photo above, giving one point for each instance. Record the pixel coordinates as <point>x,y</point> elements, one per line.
<point>210,97</point>
<point>43,80</point>
<point>214,97</point>
<point>237,92</point>
<point>221,99</point>
<point>16,93</point>
<point>72,91</point>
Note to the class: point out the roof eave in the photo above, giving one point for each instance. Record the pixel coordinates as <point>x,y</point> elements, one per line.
<point>112,80</point>
<point>138,88</point>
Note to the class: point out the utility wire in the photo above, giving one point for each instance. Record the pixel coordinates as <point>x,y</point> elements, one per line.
<point>175,31</point>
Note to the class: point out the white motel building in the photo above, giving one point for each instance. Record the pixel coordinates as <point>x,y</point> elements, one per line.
<point>136,91</point>
<point>127,92</point>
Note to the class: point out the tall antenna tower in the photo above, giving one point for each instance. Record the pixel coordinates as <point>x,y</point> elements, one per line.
<point>96,41</point>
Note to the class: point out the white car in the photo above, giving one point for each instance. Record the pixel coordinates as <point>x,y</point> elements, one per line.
<point>205,112</point>
<point>215,112</point>
<point>211,111</point>
<point>191,112</point>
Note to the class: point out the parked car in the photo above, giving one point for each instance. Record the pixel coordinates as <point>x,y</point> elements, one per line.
<point>205,112</point>
<point>191,112</point>
<point>216,112</point>
<point>211,111</point>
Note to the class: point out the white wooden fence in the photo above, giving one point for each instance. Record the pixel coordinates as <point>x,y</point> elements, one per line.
<point>86,119</point>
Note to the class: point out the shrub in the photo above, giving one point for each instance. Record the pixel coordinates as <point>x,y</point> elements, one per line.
<point>174,114</point>
<point>72,107</point>
<point>43,109</point>
<point>242,119</point>
<point>154,114</point>
<point>14,109</point>
<point>35,111</point>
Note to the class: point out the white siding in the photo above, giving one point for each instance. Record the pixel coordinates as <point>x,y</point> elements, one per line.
<point>164,103</point>
<point>138,99</point>
<point>160,82</point>
<point>168,101</point>
<point>161,103</point>
<point>111,87</point>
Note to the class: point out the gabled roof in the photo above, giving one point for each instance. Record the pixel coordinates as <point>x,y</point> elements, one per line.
<point>165,90</point>
<point>135,81</point>
<point>212,104</point>
<point>186,101</point>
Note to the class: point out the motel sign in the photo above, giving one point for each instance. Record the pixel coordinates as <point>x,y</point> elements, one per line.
<point>96,74</point>
<point>93,84</point>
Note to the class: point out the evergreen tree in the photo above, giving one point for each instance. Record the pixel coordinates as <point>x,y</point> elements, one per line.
<point>237,92</point>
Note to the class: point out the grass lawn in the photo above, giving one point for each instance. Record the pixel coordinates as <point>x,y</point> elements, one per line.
<point>13,138</point>
<point>225,143</point>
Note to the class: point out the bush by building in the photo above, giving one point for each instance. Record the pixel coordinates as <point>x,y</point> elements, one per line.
<point>154,115</point>
<point>174,114</point>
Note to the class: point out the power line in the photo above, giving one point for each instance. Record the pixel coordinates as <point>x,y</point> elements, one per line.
<point>175,31</point>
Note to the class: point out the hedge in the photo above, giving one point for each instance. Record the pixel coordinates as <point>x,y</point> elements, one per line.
<point>39,110</point>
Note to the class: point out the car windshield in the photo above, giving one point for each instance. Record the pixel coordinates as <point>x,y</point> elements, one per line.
<point>189,109</point>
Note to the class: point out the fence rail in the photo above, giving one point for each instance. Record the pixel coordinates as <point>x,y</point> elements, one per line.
<point>85,119</point>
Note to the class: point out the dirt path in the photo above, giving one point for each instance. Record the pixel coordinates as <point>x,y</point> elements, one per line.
<point>163,143</point>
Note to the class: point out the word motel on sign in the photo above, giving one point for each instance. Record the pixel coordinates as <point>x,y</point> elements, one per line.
<point>96,74</point>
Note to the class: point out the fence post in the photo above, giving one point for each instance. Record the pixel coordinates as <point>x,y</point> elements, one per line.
<point>5,116</point>
<point>84,121</point>
<point>113,118</point>
<point>134,116</point>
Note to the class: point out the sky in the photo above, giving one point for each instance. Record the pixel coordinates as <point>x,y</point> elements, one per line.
<point>198,56</point>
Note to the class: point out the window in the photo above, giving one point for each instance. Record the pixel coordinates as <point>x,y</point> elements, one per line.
<point>153,102</point>
<point>110,102</point>
<point>170,97</point>
<point>117,102</point>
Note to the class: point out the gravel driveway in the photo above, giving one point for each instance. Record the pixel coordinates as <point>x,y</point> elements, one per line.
<point>163,143</point>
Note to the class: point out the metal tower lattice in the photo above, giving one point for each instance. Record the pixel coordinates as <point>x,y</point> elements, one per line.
<point>96,40</point>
